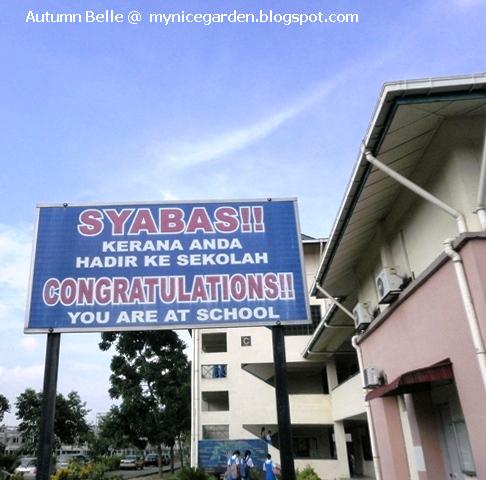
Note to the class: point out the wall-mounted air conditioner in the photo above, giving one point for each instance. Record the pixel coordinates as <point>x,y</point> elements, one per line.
<point>388,285</point>
<point>372,377</point>
<point>362,316</point>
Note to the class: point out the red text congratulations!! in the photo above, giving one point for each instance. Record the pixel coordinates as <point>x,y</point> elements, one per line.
<point>169,289</point>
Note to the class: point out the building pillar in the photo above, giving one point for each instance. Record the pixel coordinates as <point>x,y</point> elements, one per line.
<point>341,449</point>
<point>389,437</point>
<point>331,372</point>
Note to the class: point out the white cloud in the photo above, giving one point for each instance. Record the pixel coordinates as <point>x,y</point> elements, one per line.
<point>29,343</point>
<point>194,153</point>
<point>15,253</point>
<point>15,257</point>
<point>22,375</point>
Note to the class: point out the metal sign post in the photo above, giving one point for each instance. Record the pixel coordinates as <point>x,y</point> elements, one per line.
<point>283,406</point>
<point>46,434</point>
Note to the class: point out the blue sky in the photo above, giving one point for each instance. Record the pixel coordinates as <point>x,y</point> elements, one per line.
<point>120,112</point>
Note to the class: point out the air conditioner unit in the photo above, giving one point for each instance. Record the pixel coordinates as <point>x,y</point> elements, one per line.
<point>388,285</point>
<point>362,316</point>
<point>372,377</point>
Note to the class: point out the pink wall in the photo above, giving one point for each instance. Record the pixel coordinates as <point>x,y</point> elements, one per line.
<point>430,326</point>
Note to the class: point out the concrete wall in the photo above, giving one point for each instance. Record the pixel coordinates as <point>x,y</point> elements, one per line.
<point>426,328</point>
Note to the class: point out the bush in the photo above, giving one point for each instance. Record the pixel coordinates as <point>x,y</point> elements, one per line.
<point>190,473</point>
<point>91,471</point>
<point>110,463</point>
<point>307,473</point>
<point>8,462</point>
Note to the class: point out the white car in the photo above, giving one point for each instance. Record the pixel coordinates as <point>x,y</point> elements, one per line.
<point>27,467</point>
<point>132,461</point>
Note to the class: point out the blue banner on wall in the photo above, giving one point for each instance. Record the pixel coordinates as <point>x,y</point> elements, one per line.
<point>155,266</point>
<point>213,455</point>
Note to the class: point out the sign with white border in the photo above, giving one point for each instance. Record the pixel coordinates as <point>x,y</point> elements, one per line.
<point>184,265</point>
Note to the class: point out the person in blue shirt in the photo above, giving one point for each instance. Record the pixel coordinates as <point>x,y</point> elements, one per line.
<point>234,466</point>
<point>270,468</point>
<point>246,464</point>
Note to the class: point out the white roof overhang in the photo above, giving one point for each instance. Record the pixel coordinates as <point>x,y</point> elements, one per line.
<point>406,118</point>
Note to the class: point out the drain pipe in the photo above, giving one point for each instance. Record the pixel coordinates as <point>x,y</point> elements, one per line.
<point>481,210</point>
<point>369,417</point>
<point>459,217</point>
<point>471,315</point>
<point>195,398</point>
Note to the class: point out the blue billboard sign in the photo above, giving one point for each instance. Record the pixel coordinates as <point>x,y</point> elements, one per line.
<point>167,266</point>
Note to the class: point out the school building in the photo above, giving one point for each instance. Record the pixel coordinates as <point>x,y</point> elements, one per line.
<point>398,307</point>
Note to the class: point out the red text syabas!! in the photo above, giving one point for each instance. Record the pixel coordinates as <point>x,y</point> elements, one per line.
<point>171,220</point>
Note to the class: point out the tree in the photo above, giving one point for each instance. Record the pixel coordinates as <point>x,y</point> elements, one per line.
<point>110,433</point>
<point>151,375</point>
<point>70,424</point>
<point>4,406</point>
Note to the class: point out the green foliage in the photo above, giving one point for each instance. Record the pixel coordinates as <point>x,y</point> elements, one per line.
<point>16,476</point>
<point>191,473</point>
<point>4,406</point>
<point>307,473</point>
<point>255,474</point>
<point>151,375</point>
<point>70,424</point>
<point>110,463</point>
<point>8,462</point>
<point>91,471</point>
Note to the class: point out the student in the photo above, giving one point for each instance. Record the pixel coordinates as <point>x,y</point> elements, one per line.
<point>233,466</point>
<point>262,434</point>
<point>246,464</point>
<point>268,437</point>
<point>270,468</point>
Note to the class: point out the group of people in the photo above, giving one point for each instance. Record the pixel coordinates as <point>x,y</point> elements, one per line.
<point>239,468</point>
<point>266,436</point>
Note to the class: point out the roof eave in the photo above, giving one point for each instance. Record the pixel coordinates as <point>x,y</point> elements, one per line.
<point>390,93</point>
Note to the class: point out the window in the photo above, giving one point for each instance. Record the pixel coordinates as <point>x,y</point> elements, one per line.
<point>214,371</point>
<point>315,311</point>
<point>215,401</point>
<point>346,366</point>
<point>314,442</point>
<point>214,342</point>
<point>215,432</point>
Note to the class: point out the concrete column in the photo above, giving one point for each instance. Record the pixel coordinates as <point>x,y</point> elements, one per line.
<point>331,372</point>
<point>389,437</point>
<point>341,449</point>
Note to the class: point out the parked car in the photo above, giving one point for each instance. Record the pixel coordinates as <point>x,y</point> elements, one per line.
<point>151,459</point>
<point>132,461</point>
<point>27,467</point>
<point>64,460</point>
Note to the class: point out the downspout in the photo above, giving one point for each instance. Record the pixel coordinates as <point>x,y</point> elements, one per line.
<point>481,210</point>
<point>471,315</point>
<point>459,217</point>
<point>195,398</point>
<point>369,417</point>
